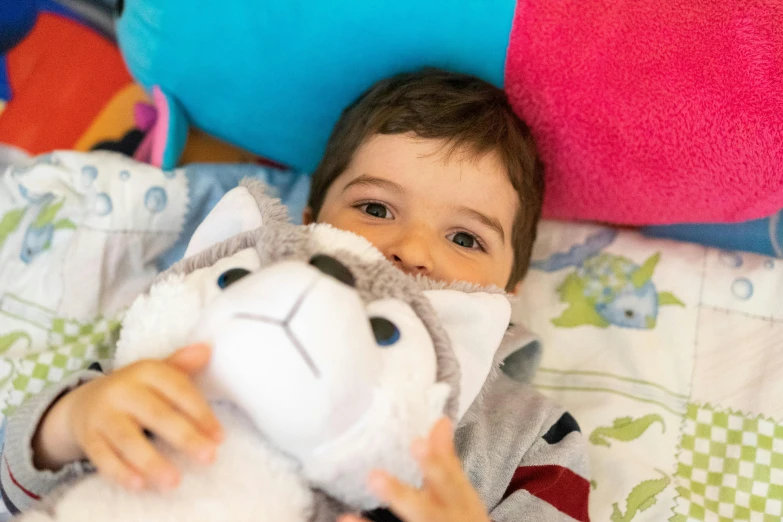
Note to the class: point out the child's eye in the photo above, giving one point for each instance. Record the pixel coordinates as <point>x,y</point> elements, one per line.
<point>466,240</point>
<point>378,210</point>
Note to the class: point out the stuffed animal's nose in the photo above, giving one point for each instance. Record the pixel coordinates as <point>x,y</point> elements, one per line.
<point>332,267</point>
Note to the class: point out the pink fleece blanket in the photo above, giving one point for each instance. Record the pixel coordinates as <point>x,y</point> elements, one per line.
<point>653,111</point>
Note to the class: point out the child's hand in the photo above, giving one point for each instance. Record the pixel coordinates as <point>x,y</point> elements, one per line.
<point>447,494</point>
<point>104,420</point>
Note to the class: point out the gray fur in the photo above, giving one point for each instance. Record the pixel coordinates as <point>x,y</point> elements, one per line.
<point>460,286</point>
<point>278,240</point>
<point>272,209</point>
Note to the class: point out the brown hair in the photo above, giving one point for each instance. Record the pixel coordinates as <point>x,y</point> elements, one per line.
<point>469,113</point>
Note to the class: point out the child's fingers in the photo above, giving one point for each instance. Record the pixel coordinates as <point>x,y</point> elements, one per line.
<point>441,451</point>
<point>443,475</point>
<point>441,440</point>
<point>441,480</point>
<point>158,416</point>
<point>408,503</point>
<point>190,359</point>
<point>177,388</point>
<point>128,441</point>
<point>110,465</point>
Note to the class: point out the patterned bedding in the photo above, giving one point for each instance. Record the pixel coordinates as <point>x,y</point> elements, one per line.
<point>668,354</point>
<point>670,357</point>
<point>80,236</point>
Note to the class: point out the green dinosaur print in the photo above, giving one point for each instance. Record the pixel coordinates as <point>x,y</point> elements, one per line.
<point>625,429</point>
<point>10,223</point>
<point>642,497</point>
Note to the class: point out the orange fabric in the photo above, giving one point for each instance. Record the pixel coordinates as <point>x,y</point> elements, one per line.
<point>115,119</point>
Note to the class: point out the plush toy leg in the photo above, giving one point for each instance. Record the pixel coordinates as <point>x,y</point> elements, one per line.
<point>165,142</point>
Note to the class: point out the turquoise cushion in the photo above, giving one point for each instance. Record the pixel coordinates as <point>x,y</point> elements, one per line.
<point>272,76</point>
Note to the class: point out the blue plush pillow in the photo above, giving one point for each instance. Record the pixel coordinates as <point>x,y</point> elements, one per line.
<point>273,76</point>
<point>763,236</point>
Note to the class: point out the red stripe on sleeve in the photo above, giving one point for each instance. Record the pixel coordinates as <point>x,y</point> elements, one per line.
<point>18,485</point>
<point>555,485</point>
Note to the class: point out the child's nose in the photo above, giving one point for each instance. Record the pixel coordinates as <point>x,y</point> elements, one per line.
<point>412,253</point>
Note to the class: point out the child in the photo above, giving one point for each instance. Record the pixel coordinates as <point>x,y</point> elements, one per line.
<point>436,171</point>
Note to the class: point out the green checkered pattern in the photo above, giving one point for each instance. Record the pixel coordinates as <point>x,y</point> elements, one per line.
<point>730,467</point>
<point>72,346</point>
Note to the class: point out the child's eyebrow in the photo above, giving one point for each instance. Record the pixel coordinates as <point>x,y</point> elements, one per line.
<point>372,181</point>
<point>491,222</point>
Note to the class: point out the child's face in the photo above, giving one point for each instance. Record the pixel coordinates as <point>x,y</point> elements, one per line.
<point>446,219</point>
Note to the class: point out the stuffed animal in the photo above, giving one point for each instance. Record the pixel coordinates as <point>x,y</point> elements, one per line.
<point>327,362</point>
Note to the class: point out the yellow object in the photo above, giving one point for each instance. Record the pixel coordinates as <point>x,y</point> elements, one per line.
<point>203,148</point>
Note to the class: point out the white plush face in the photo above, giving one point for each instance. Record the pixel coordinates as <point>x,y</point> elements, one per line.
<point>296,349</point>
<point>317,370</point>
<point>293,346</point>
<point>340,384</point>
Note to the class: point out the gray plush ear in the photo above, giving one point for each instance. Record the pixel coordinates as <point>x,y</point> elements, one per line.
<point>244,208</point>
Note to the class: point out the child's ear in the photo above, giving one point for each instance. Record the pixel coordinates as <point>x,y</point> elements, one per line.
<point>235,213</point>
<point>307,216</point>
<point>476,323</point>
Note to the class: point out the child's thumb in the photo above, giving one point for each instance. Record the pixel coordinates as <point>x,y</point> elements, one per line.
<point>190,359</point>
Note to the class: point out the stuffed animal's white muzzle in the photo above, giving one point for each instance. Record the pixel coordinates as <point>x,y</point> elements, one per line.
<point>294,349</point>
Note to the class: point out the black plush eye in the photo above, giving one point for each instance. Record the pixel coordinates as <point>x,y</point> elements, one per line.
<point>332,267</point>
<point>385,331</point>
<point>119,7</point>
<point>629,314</point>
<point>229,277</point>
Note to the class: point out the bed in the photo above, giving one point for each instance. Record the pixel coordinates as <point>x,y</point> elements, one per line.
<point>668,354</point>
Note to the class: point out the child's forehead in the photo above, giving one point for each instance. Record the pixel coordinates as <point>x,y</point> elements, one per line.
<point>429,149</point>
<point>389,153</point>
<point>433,167</point>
